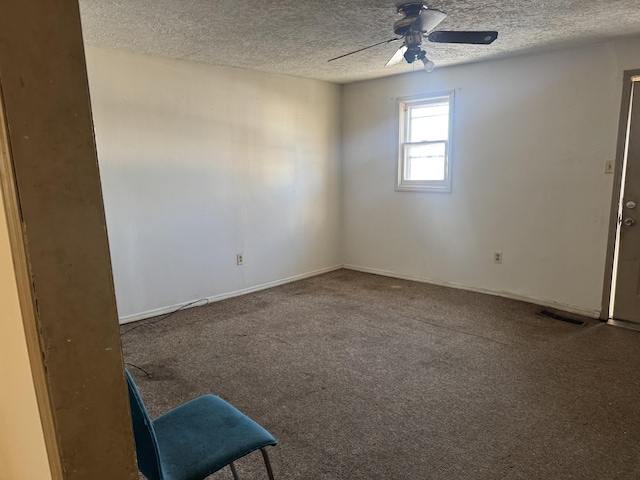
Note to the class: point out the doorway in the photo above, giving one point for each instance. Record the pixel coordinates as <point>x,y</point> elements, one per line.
<point>624,286</point>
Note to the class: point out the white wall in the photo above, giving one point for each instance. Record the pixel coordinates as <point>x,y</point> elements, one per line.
<point>23,453</point>
<point>199,163</point>
<point>532,135</point>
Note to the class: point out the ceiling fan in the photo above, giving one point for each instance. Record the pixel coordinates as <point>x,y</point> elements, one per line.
<point>416,24</point>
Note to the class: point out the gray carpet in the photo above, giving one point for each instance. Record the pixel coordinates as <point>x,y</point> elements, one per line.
<point>365,377</point>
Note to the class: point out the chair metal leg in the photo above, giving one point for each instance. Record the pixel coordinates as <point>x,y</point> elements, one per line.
<point>233,470</point>
<point>267,463</point>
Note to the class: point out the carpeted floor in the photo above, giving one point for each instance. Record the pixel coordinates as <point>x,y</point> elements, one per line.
<point>365,377</point>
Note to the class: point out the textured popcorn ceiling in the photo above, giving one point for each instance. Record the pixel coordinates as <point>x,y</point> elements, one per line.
<point>295,37</point>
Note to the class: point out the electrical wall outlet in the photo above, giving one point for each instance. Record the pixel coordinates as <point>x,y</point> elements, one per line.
<point>608,166</point>
<point>497,257</point>
<point>239,259</point>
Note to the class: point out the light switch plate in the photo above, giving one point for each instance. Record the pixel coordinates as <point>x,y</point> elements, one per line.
<point>608,166</point>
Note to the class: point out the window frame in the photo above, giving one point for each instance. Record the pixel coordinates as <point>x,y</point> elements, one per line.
<point>404,106</point>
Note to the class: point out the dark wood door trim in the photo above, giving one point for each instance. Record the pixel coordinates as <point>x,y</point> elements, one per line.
<point>617,183</point>
<point>60,240</point>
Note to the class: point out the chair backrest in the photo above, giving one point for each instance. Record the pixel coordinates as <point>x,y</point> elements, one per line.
<point>145,436</point>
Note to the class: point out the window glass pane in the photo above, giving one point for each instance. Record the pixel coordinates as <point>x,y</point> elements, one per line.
<point>428,123</point>
<point>425,162</point>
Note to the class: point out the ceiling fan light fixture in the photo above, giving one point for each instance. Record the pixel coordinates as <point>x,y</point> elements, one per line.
<point>428,64</point>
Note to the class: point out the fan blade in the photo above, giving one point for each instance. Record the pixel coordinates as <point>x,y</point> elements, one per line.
<point>397,57</point>
<point>428,20</point>
<point>365,48</point>
<point>475,38</point>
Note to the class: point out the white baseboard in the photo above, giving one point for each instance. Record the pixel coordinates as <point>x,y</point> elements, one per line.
<point>222,296</point>
<point>591,313</point>
<point>587,312</point>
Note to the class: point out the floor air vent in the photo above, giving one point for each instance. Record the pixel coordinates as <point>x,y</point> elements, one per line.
<point>546,313</point>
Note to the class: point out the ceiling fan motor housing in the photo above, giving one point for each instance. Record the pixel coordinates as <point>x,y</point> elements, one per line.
<point>410,12</point>
<point>410,7</point>
<point>403,26</point>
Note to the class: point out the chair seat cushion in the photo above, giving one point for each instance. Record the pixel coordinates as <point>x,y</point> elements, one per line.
<point>204,435</point>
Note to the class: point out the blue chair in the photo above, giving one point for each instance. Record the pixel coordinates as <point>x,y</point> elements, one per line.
<point>195,439</point>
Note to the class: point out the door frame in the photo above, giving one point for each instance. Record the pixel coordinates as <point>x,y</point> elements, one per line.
<point>625,106</point>
<point>58,240</point>
<point>26,298</point>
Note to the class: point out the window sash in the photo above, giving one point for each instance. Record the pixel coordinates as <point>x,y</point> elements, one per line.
<point>410,120</point>
<point>407,173</point>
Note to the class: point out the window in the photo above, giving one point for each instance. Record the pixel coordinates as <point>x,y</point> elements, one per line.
<point>424,160</point>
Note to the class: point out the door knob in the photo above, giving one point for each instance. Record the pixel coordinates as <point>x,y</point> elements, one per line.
<point>628,221</point>
<point>630,204</point>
